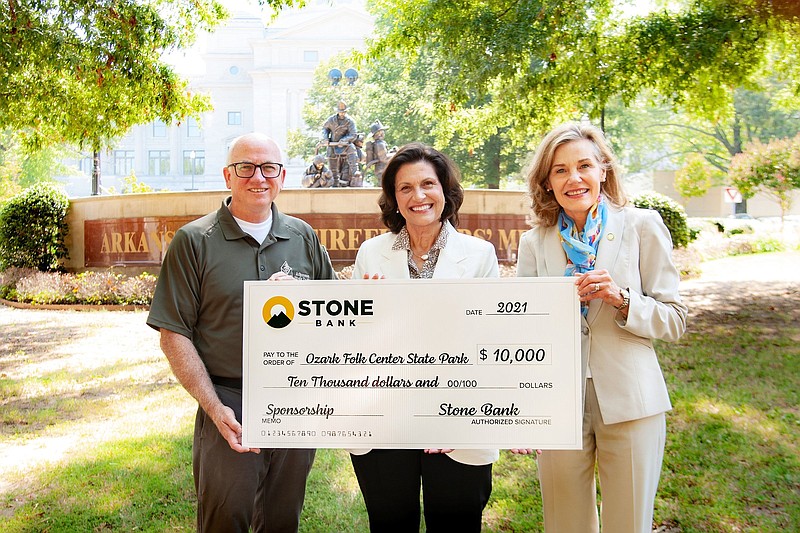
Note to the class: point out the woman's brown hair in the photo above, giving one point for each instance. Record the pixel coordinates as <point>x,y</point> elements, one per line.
<point>446,170</point>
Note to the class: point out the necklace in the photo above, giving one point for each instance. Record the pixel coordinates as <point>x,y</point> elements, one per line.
<point>424,256</point>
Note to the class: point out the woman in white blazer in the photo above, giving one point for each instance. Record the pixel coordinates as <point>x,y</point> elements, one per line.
<point>419,204</point>
<point>628,288</point>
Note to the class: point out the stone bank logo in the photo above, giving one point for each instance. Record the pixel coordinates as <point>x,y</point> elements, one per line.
<point>278,312</point>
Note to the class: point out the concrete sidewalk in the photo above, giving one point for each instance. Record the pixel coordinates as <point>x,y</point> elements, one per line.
<point>781,267</point>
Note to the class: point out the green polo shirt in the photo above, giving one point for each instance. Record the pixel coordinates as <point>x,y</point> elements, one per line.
<point>200,287</point>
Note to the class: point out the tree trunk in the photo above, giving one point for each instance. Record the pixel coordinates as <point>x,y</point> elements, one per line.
<point>492,177</point>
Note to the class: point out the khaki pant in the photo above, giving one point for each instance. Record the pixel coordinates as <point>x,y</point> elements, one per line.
<point>628,457</point>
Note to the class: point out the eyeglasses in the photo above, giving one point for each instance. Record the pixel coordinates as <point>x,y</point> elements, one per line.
<point>248,170</point>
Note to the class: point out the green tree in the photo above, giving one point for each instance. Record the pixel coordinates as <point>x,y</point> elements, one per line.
<point>696,177</point>
<point>21,168</point>
<point>83,72</point>
<point>649,133</point>
<point>520,67</point>
<point>772,168</point>
<point>753,115</point>
<point>130,185</point>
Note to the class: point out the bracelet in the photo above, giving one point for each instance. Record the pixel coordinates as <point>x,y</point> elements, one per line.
<point>626,299</point>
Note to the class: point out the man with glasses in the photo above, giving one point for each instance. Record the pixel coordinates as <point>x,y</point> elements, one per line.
<point>197,307</point>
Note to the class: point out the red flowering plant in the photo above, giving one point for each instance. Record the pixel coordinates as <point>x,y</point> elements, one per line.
<point>772,168</point>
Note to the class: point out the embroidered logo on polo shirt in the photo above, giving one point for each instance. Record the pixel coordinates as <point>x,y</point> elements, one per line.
<point>286,269</point>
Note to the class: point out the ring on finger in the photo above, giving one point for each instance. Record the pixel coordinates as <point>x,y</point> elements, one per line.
<point>596,287</point>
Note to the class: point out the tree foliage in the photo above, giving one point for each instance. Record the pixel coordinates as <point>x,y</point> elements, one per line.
<point>696,177</point>
<point>85,71</point>
<point>132,185</point>
<point>772,168</point>
<point>520,67</point>
<point>652,127</point>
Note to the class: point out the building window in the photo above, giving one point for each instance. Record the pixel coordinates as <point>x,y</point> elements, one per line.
<point>310,56</point>
<point>159,129</point>
<point>158,163</point>
<point>234,118</point>
<point>192,128</point>
<point>194,162</point>
<point>123,162</point>
<point>86,164</point>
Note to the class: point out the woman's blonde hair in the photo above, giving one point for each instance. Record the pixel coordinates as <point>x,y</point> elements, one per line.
<point>543,202</point>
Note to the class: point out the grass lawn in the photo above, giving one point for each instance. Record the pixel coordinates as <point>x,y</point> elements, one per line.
<point>95,432</point>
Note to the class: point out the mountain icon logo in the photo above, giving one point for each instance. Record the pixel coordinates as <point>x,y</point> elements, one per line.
<point>278,312</point>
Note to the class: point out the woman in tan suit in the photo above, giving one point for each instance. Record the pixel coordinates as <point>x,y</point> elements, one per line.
<point>419,204</point>
<point>628,288</point>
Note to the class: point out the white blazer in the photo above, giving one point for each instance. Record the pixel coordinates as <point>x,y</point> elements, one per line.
<point>636,249</point>
<point>464,256</point>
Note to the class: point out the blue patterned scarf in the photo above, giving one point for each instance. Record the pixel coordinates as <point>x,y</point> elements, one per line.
<point>581,248</point>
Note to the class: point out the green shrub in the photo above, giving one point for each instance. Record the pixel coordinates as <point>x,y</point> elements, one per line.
<point>33,227</point>
<point>672,213</point>
<point>769,244</point>
<point>743,245</point>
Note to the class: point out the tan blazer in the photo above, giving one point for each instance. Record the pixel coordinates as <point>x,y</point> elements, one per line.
<point>636,249</point>
<point>464,256</point>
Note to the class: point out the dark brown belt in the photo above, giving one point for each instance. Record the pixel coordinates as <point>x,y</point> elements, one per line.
<point>233,383</point>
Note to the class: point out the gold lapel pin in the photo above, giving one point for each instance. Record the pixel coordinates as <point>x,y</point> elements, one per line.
<point>610,237</point>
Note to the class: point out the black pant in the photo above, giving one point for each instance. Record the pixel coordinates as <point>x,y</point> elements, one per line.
<point>453,494</point>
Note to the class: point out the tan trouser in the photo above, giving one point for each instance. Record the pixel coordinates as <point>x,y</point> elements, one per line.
<point>628,457</point>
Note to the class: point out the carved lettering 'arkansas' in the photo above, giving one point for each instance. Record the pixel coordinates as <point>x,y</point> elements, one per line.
<point>135,242</point>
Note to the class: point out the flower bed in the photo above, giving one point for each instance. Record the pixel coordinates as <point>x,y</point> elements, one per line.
<point>31,286</point>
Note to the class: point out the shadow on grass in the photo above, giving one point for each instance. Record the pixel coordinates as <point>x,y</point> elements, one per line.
<point>34,341</point>
<point>334,502</point>
<point>146,485</point>
<point>733,459</point>
<point>64,397</point>
<point>138,484</point>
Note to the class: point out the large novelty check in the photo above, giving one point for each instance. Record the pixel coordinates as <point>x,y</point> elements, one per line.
<point>474,363</point>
